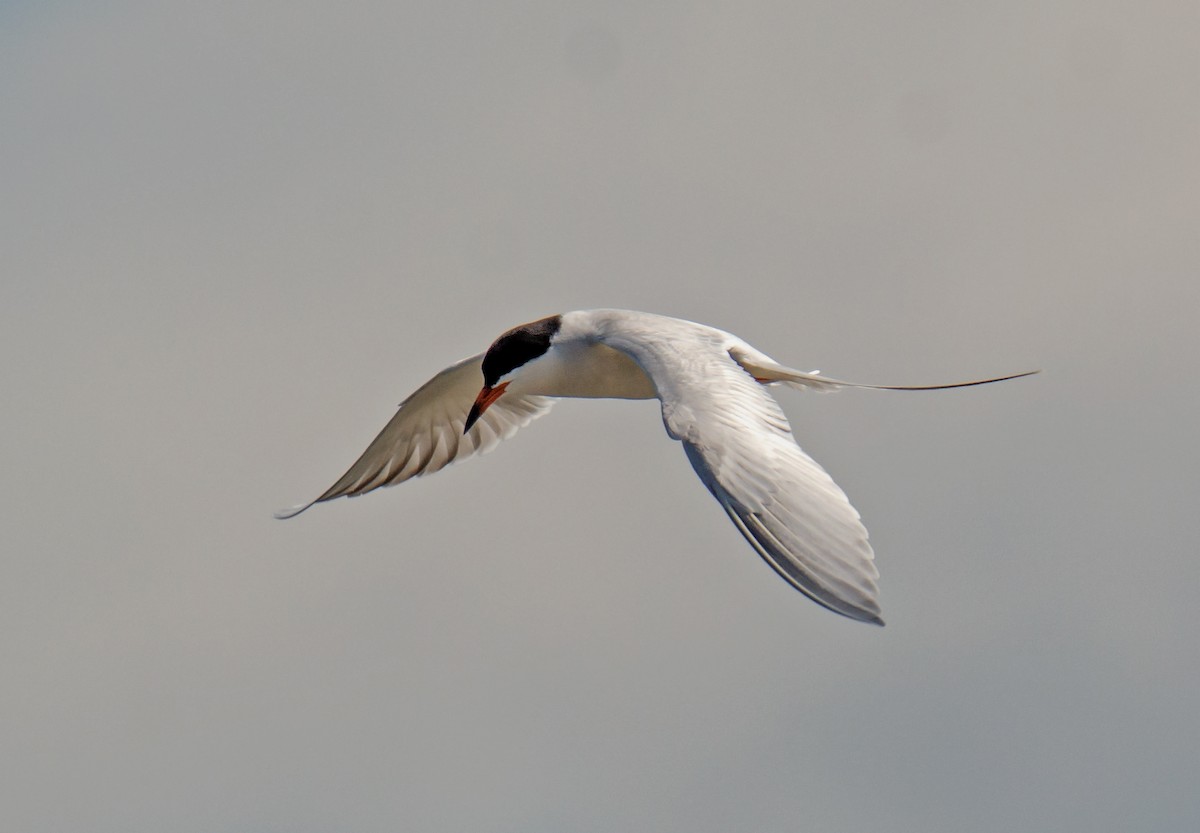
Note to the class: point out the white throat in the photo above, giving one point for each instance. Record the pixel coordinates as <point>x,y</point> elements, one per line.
<point>583,369</point>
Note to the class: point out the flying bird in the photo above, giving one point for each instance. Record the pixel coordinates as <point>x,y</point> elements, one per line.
<point>713,390</point>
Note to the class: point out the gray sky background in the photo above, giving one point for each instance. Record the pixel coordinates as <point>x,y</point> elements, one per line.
<point>235,235</point>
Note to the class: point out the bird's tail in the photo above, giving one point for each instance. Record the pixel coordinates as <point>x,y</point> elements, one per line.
<point>769,372</point>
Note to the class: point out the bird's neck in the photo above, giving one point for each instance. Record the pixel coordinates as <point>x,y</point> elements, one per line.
<point>584,369</point>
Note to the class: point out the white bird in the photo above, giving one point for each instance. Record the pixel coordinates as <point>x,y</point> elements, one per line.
<point>712,386</point>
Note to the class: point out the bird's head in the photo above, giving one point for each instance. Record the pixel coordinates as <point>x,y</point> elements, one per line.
<point>508,356</point>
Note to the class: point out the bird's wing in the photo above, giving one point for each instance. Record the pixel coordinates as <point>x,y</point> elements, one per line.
<point>740,444</point>
<point>426,434</point>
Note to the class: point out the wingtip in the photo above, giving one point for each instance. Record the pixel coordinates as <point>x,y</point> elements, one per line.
<point>870,617</point>
<point>291,512</point>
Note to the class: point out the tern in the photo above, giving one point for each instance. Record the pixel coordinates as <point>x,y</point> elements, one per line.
<point>713,389</point>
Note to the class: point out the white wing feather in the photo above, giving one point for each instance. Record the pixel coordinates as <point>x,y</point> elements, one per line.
<point>426,434</point>
<point>740,444</point>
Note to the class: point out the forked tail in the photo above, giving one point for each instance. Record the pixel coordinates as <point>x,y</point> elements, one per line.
<point>768,372</point>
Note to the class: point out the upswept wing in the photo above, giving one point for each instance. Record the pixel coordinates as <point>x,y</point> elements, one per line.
<point>426,434</point>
